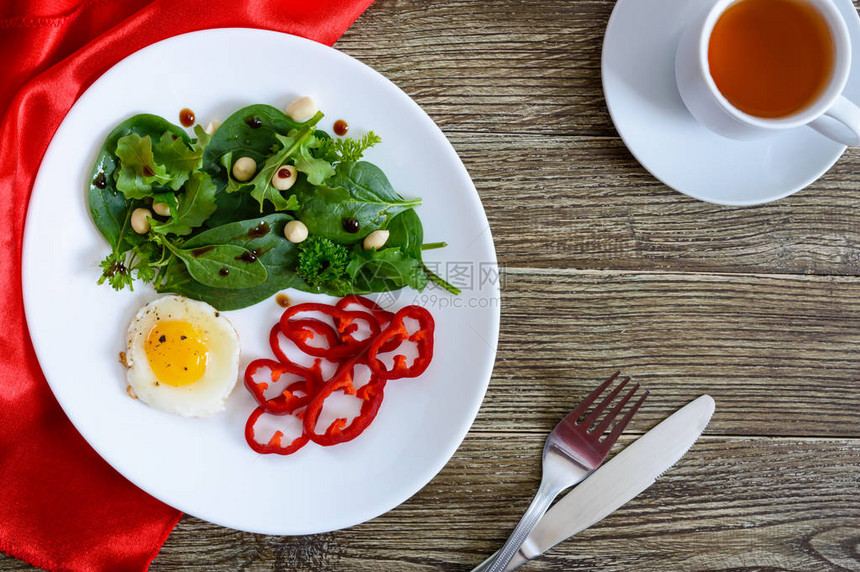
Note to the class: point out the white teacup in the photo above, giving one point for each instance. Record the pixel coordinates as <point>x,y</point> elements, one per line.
<point>831,114</point>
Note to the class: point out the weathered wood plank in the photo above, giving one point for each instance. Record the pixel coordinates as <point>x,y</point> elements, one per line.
<point>564,202</point>
<point>730,504</point>
<point>516,87</point>
<point>777,353</point>
<point>524,66</point>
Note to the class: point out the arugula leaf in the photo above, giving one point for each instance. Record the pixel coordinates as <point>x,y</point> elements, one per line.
<point>177,158</point>
<point>109,207</point>
<point>138,169</point>
<point>200,142</point>
<point>357,190</point>
<point>191,208</point>
<point>261,185</point>
<point>348,149</point>
<point>249,132</point>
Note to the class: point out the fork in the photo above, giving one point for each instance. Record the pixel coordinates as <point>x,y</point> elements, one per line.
<point>574,449</point>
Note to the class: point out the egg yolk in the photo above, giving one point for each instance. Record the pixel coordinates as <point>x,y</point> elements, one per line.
<point>177,352</point>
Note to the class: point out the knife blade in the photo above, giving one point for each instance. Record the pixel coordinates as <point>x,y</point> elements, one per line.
<point>618,481</point>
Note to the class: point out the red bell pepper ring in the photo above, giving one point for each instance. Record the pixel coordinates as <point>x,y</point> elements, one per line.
<point>304,332</point>
<point>316,367</point>
<point>293,396</point>
<point>422,338</point>
<point>339,431</point>
<point>383,317</point>
<point>275,444</point>
<point>275,344</point>
<point>341,342</point>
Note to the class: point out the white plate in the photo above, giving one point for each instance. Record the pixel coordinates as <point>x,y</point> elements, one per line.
<point>204,467</point>
<point>638,71</point>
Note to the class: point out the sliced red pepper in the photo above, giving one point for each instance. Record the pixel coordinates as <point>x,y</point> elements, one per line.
<point>288,399</point>
<point>305,331</point>
<point>275,444</point>
<point>305,398</point>
<point>341,342</point>
<point>319,367</point>
<point>339,431</point>
<point>383,317</point>
<point>422,338</point>
<point>275,344</point>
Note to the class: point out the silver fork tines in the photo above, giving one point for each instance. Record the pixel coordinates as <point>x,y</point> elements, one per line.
<point>573,450</point>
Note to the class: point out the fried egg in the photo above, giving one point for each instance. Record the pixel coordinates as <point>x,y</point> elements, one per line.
<point>182,356</point>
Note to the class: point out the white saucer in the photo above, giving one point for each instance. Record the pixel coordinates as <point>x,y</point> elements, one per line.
<point>639,86</point>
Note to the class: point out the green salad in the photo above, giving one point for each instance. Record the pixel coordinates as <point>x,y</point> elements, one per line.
<point>263,204</point>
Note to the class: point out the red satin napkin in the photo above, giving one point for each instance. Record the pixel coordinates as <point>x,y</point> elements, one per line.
<point>61,506</point>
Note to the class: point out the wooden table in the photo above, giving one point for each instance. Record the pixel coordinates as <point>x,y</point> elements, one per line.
<point>604,268</point>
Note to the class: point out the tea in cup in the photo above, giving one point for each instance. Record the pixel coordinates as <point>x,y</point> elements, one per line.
<point>746,68</point>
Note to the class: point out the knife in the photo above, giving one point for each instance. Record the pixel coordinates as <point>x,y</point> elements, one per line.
<point>616,482</point>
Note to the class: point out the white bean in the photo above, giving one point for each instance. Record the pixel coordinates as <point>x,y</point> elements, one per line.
<point>295,231</point>
<point>161,209</point>
<point>212,127</point>
<point>140,220</point>
<point>375,239</point>
<point>284,177</point>
<point>244,169</point>
<point>301,109</point>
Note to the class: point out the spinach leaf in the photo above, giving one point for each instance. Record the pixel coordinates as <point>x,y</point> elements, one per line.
<point>407,232</point>
<point>263,235</point>
<point>223,266</point>
<point>397,265</point>
<point>190,209</point>
<point>231,207</point>
<point>386,269</point>
<point>357,190</point>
